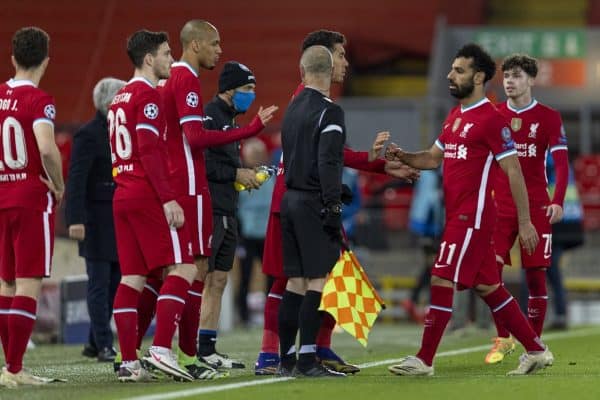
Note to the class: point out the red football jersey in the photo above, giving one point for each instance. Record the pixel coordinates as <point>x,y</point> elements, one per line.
<point>22,106</point>
<point>472,137</point>
<point>537,129</point>
<point>182,98</point>
<point>137,110</point>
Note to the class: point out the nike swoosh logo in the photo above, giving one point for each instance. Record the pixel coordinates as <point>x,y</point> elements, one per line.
<point>547,256</point>
<point>440,265</point>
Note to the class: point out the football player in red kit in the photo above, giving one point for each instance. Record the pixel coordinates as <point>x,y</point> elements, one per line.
<point>537,130</point>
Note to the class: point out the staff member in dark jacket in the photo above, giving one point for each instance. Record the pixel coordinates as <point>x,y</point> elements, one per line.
<point>90,190</point>
<point>223,168</point>
<point>313,135</point>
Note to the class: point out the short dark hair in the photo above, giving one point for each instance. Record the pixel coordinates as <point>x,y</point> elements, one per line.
<point>143,42</point>
<point>325,38</point>
<point>482,61</point>
<point>30,46</point>
<point>523,61</point>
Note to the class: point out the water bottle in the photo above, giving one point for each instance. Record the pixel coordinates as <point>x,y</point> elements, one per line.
<point>263,173</point>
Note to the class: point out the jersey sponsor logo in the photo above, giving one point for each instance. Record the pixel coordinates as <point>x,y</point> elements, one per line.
<point>456,124</point>
<point>462,152</point>
<point>192,99</point>
<point>50,111</point>
<point>516,124</point>
<point>151,111</point>
<point>465,130</point>
<point>533,130</point>
<point>526,150</point>
<point>455,151</point>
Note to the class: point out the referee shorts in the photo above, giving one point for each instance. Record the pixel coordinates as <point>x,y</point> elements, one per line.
<point>308,251</point>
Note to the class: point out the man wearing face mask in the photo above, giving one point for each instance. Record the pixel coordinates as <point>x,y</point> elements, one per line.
<point>223,168</point>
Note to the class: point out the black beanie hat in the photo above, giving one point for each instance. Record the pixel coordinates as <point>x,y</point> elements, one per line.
<point>235,75</point>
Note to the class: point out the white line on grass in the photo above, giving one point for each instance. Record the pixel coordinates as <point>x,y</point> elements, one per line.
<point>239,385</point>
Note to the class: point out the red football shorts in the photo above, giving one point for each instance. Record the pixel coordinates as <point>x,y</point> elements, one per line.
<point>466,257</point>
<point>145,241</point>
<point>273,251</point>
<point>507,231</point>
<point>26,243</point>
<point>198,216</point>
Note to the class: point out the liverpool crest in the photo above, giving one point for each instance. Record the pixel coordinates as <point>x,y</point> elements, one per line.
<point>456,124</point>
<point>516,123</point>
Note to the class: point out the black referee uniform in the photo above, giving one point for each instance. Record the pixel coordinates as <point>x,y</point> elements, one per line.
<point>313,137</point>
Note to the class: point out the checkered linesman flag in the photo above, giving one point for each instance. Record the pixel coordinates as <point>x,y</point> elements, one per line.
<point>350,298</point>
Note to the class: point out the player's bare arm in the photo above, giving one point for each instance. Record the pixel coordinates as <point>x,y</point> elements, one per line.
<point>44,136</point>
<point>426,159</point>
<point>527,233</point>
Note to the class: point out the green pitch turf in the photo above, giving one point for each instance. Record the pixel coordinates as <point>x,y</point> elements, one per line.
<point>460,372</point>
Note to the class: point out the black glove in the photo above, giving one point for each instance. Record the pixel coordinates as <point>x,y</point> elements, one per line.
<point>347,195</point>
<point>332,221</point>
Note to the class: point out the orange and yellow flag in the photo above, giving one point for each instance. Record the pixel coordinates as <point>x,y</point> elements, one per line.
<point>350,298</point>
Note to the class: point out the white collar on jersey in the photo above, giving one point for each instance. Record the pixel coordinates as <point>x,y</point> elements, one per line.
<point>13,83</point>
<point>184,64</point>
<point>464,109</point>
<point>520,110</point>
<point>141,79</point>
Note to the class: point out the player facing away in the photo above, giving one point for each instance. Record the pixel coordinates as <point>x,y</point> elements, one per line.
<point>149,223</point>
<point>187,139</point>
<point>475,141</point>
<point>537,130</point>
<point>31,184</point>
<point>268,358</point>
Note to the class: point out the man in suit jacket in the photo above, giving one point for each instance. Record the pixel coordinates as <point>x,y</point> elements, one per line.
<point>90,190</point>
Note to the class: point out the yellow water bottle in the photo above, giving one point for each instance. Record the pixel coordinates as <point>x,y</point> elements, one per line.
<point>263,173</point>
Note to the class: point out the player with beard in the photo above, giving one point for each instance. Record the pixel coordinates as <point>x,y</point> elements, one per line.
<point>268,358</point>
<point>537,130</point>
<point>474,144</point>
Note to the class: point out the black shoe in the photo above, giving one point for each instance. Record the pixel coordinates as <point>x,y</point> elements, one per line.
<point>89,351</point>
<point>319,371</point>
<point>286,371</point>
<point>107,354</point>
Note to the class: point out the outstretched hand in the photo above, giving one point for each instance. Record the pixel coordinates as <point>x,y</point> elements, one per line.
<point>266,114</point>
<point>398,169</point>
<point>378,144</point>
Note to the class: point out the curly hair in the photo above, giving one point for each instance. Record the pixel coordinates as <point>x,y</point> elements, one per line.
<point>523,61</point>
<point>482,61</point>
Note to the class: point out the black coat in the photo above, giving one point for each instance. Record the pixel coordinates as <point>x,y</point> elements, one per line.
<point>90,190</point>
<point>223,161</point>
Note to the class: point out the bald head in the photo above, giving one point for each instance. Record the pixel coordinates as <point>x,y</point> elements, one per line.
<point>254,152</point>
<point>316,60</point>
<point>196,29</point>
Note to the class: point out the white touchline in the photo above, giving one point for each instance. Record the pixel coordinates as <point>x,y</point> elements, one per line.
<point>231,386</point>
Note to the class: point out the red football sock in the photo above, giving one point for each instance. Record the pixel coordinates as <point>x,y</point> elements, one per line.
<point>509,314</point>
<point>5,303</point>
<point>147,307</point>
<point>21,319</point>
<point>326,330</point>
<point>169,307</point>
<point>501,329</point>
<point>270,339</point>
<point>126,319</point>
<point>538,298</point>
<point>190,319</point>
<point>436,320</point>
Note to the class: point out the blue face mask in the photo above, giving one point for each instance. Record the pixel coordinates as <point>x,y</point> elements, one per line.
<point>242,100</point>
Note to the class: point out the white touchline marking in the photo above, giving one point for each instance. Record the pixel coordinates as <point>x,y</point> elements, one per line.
<point>232,386</point>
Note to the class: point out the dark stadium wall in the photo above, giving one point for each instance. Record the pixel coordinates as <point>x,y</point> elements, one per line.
<point>88,37</point>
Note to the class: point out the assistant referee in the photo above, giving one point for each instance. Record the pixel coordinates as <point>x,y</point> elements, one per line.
<point>313,137</point>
